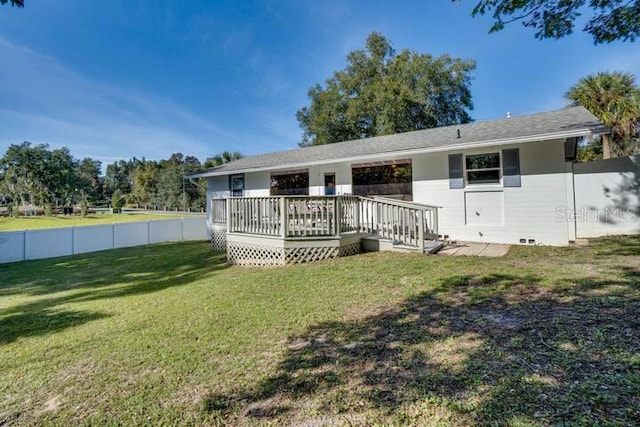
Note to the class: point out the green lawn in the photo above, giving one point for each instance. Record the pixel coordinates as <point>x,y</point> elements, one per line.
<point>34,222</point>
<point>168,334</point>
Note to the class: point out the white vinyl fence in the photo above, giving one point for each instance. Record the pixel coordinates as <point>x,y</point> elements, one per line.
<point>607,195</point>
<point>54,242</point>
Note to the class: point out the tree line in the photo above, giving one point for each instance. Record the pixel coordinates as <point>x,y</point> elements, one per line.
<point>35,174</point>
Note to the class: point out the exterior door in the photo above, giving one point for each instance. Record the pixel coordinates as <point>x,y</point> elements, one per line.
<point>330,184</point>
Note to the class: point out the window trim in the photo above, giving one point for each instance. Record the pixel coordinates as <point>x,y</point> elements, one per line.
<point>484,183</point>
<point>241,190</point>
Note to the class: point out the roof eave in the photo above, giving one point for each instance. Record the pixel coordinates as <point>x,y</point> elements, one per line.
<point>591,131</point>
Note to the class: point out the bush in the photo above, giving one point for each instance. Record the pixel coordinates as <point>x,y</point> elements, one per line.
<point>84,207</point>
<point>117,201</point>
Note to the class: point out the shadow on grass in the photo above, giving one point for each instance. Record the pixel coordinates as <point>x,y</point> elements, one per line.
<point>49,284</point>
<point>496,349</point>
<point>44,322</point>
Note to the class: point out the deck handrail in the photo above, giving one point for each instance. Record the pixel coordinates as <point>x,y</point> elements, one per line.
<point>400,221</point>
<point>405,202</point>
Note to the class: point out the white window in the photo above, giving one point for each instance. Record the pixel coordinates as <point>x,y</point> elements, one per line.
<point>483,168</point>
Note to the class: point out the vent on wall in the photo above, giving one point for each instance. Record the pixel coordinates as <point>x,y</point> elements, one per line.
<point>529,241</point>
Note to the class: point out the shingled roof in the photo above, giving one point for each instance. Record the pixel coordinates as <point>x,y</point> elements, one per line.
<point>563,123</point>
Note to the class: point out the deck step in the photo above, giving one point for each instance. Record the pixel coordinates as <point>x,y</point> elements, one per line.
<point>376,243</point>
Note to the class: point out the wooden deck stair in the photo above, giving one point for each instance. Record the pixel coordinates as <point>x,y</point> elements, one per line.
<point>377,243</point>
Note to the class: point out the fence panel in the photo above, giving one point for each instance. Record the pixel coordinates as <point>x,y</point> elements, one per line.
<point>92,238</point>
<point>194,228</point>
<point>169,230</point>
<point>130,234</point>
<point>12,246</point>
<point>607,200</point>
<point>49,243</point>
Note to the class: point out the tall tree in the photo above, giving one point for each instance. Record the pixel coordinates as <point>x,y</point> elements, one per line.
<point>88,180</point>
<point>25,173</point>
<point>145,181</point>
<point>608,20</point>
<point>380,93</point>
<point>615,99</point>
<point>222,158</point>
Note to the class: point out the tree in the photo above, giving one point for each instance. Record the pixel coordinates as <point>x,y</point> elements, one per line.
<point>222,158</point>
<point>609,20</point>
<point>88,181</point>
<point>613,98</point>
<point>34,174</point>
<point>380,93</point>
<point>18,3</point>
<point>145,181</point>
<point>25,170</point>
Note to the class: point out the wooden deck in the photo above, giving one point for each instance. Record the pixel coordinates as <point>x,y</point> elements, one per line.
<point>293,229</point>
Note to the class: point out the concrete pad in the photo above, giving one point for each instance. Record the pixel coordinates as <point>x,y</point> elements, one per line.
<point>474,249</point>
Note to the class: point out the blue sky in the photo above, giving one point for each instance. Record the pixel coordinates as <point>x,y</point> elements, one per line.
<point>147,78</point>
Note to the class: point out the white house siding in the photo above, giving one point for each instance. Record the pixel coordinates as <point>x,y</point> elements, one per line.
<point>343,178</point>
<point>217,187</point>
<point>607,197</point>
<point>492,213</point>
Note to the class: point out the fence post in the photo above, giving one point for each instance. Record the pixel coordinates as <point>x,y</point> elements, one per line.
<point>182,229</point>
<point>73,240</point>
<point>148,232</point>
<point>24,245</point>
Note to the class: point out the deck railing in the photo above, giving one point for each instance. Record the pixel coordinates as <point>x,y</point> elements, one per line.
<point>328,216</point>
<point>403,222</point>
<point>218,212</point>
<point>255,215</point>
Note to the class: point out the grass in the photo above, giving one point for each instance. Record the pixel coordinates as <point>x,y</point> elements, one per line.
<point>168,334</point>
<point>36,222</point>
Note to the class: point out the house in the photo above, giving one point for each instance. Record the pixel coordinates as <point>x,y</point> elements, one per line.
<point>504,181</point>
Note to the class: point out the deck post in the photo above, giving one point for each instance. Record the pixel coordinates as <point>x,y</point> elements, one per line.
<point>357,214</point>
<point>434,219</point>
<point>284,218</point>
<point>229,215</point>
<point>421,230</point>
<point>337,213</point>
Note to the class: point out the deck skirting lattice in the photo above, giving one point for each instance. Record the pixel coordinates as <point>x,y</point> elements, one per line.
<point>350,249</point>
<point>300,255</point>
<point>254,255</point>
<point>250,254</point>
<point>218,237</point>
